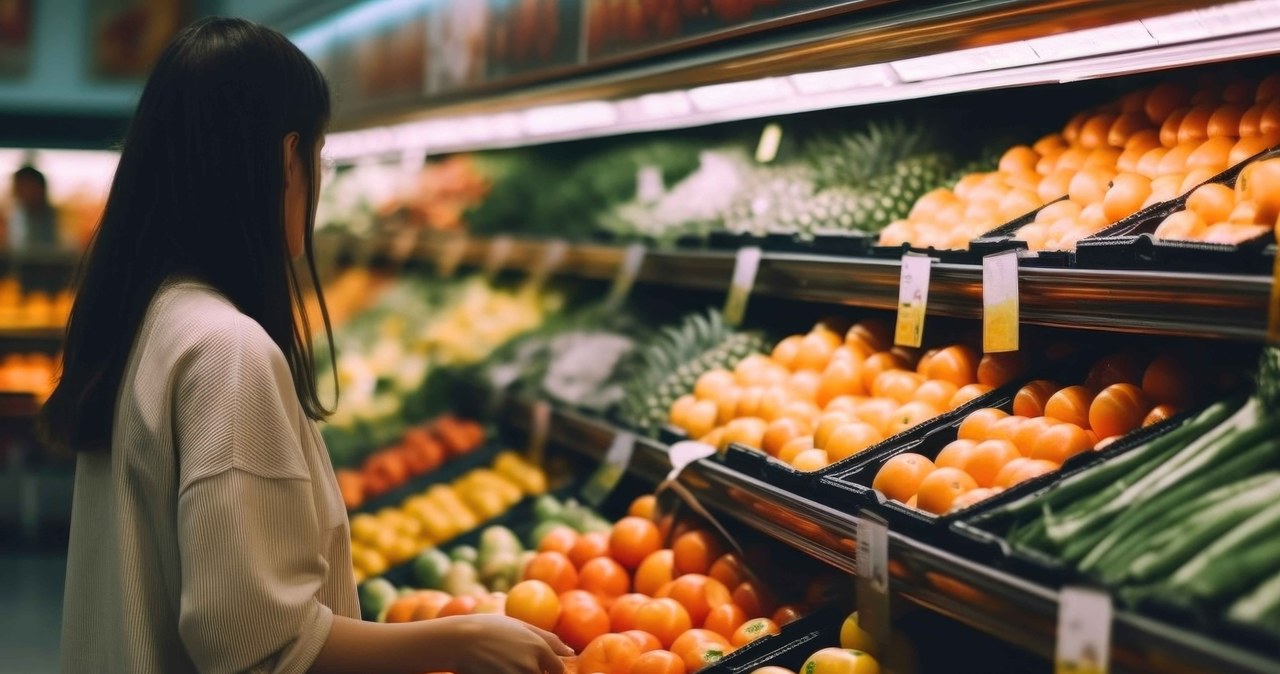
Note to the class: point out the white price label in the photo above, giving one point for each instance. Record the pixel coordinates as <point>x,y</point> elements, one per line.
<point>500,248</point>
<point>1084,631</point>
<point>1000,302</point>
<point>632,263</point>
<point>745,266</point>
<point>873,576</point>
<point>913,299</point>
<point>770,141</point>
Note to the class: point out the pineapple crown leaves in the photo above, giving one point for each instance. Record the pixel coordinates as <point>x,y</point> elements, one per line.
<point>856,158</point>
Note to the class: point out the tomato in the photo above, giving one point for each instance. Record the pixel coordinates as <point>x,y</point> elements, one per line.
<point>665,619</point>
<point>754,629</point>
<point>534,602</point>
<point>699,648</point>
<point>698,594</point>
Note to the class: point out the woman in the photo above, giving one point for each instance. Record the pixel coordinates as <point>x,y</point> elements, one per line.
<point>208,533</point>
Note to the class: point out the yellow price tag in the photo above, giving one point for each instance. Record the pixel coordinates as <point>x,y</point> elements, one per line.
<point>1000,302</point>
<point>913,299</point>
<point>743,282</point>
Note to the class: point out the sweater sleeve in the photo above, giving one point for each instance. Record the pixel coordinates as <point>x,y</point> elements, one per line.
<point>248,533</point>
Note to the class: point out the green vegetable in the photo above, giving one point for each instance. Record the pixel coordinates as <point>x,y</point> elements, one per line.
<point>1260,607</point>
<point>1246,555</point>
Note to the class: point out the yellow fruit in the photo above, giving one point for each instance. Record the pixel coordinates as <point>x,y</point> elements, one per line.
<point>853,637</point>
<point>840,661</point>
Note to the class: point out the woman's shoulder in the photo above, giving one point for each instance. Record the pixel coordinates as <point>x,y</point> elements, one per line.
<point>208,329</point>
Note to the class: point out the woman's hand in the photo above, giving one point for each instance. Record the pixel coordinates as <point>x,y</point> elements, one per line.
<point>494,644</point>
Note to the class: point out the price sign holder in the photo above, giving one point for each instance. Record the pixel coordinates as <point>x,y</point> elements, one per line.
<point>1084,631</point>
<point>913,299</point>
<point>632,262</point>
<point>1000,302</point>
<point>872,583</point>
<point>452,251</point>
<point>553,256</point>
<point>539,431</point>
<point>745,266</point>
<point>612,468</point>
<point>500,248</point>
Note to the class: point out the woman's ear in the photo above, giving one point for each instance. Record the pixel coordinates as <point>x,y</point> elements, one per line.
<point>290,148</point>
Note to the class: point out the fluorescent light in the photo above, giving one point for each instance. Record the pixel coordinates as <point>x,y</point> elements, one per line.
<point>827,81</point>
<point>554,119</point>
<point>734,94</point>
<point>363,18</point>
<point>976,60</point>
<point>1127,36</point>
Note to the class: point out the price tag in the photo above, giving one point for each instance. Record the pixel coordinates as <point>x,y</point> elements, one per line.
<point>1084,631</point>
<point>632,262</point>
<point>770,141</point>
<point>552,257</point>
<point>872,563</point>
<point>745,267</point>
<point>1273,316</point>
<point>649,184</point>
<point>913,299</point>
<point>499,252</point>
<point>539,431</point>
<point>1000,302</point>
<point>614,465</point>
<point>452,251</point>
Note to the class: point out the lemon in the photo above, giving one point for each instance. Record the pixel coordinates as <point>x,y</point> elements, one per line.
<point>840,661</point>
<point>853,637</point>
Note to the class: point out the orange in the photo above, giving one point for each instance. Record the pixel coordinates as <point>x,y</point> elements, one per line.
<point>1117,368</point>
<point>899,385</point>
<point>1159,413</point>
<point>658,662</point>
<point>1225,121</point>
<point>747,431</point>
<point>1029,433</point>
<point>1061,442</point>
<point>988,458</point>
<point>1071,405</point>
<point>559,539</point>
<point>998,369</point>
<point>752,599</point>
<point>1094,132</point>
<point>842,377</point>
<point>1149,163</point>
<point>589,546</point>
<point>827,424</point>
<point>1021,470</point>
<point>957,364</point>
<point>967,394</point>
<point>727,404</point>
<point>534,602</point>
<point>877,412</point>
<point>878,363</point>
<point>1089,186</point>
<point>622,615</point>
<point>1213,154</point>
<point>850,439</point>
<point>871,336</point>
<point>814,352</point>
<point>554,569</point>
<point>1164,99</point>
<point>609,654</point>
<point>699,648</point>
<point>461,605</point>
<point>694,552</point>
<point>643,506</point>
<point>1264,181</point>
<point>1126,195</point>
<point>1195,177</point>
<point>1143,140</point>
<point>725,619</point>
<point>647,642</point>
<point>1055,184</point>
<point>801,409</point>
<point>403,609</point>
<point>1006,428</point>
<point>430,604</point>
<point>728,570</point>
<point>665,619</point>
<point>786,615</point>
<point>751,630</point>
<point>773,401</point>
<point>972,497</point>
<point>810,460</point>
<point>804,385</point>
<point>954,454</point>
<point>792,449</point>
<point>701,417</point>
<point>604,577</point>
<point>656,570</point>
<point>782,431</point>
<point>1182,226</point>
<point>977,425</point>
<point>1195,125</point>
<point>633,539</point>
<point>1125,127</point>
<point>840,661</point>
<point>847,404</point>
<point>750,401</point>
<point>698,594</point>
<point>713,381</point>
<point>900,477</point>
<point>909,416</point>
<point>1071,132</point>
<point>925,357</point>
<point>1268,88</point>
<point>1118,409</point>
<point>1246,148</point>
<point>749,369</point>
<point>1212,202</point>
<point>936,394</point>
<point>786,351</point>
<point>1017,158</point>
<point>941,487</point>
<point>582,620</point>
<point>679,413</point>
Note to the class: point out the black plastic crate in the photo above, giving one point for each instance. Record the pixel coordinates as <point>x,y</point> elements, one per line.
<point>796,642</point>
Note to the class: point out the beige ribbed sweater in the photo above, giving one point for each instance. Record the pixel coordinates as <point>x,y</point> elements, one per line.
<point>212,538</point>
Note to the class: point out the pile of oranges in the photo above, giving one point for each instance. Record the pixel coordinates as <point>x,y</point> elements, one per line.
<point>1216,213</point>
<point>30,373</point>
<point>421,450</point>
<point>995,450</point>
<point>825,396</point>
<point>1150,146</point>
<point>625,603</point>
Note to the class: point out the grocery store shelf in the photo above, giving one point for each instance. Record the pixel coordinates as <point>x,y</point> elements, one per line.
<point>1016,610</point>
<point>37,334</point>
<point>1157,303</point>
<point>905,51</point>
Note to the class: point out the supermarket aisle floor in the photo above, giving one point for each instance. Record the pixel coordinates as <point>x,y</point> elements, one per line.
<point>30,611</point>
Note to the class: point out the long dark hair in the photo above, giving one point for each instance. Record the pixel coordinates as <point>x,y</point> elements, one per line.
<point>198,192</point>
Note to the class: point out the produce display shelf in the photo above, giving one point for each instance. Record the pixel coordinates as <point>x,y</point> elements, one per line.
<point>1222,306</point>
<point>1019,611</point>
<point>900,51</point>
<point>42,334</point>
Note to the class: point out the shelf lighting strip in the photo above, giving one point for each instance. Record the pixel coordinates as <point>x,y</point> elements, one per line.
<point>1249,28</point>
